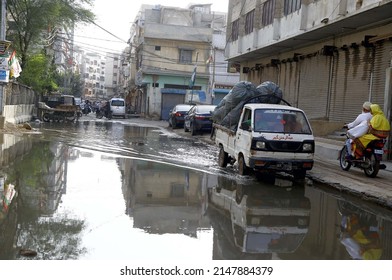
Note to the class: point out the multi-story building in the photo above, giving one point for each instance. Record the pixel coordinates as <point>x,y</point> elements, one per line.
<point>125,79</point>
<point>328,57</point>
<point>170,44</point>
<point>61,46</point>
<point>63,49</point>
<point>222,76</point>
<point>112,75</point>
<point>93,73</point>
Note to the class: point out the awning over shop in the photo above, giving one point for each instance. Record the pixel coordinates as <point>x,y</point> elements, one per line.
<point>221,90</point>
<point>202,95</point>
<point>194,95</point>
<point>173,91</point>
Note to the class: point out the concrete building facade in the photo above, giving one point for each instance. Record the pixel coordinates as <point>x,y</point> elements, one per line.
<point>93,73</point>
<point>112,75</point>
<point>169,45</point>
<point>327,56</point>
<point>222,76</point>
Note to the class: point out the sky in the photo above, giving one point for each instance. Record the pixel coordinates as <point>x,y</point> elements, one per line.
<point>116,17</point>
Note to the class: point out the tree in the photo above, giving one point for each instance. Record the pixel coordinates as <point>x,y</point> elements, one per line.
<point>69,83</point>
<point>38,73</point>
<point>33,19</point>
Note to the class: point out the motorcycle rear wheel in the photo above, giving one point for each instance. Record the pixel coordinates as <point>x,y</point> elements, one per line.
<point>99,114</point>
<point>344,164</point>
<point>109,116</point>
<point>373,166</point>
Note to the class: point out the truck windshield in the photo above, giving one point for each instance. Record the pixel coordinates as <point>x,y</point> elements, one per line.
<point>280,121</point>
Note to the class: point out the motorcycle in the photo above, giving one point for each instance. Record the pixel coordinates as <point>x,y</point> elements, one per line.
<point>369,162</point>
<point>100,113</point>
<point>86,109</point>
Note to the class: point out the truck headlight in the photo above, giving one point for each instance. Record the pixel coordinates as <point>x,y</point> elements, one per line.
<point>307,147</point>
<point>260,145</point>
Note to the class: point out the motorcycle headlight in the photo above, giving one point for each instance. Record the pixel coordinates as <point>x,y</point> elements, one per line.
<point>260,145</point>
<point>307,147</point>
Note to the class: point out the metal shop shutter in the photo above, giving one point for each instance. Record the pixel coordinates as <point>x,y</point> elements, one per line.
<point>169,100</point>
<point>269,74</point>
<point>219,95</point>
<point>382,58</point>
<point>350,84</point>
<point>383,49</point>
<point>288,82</point>
<point>313,85</point>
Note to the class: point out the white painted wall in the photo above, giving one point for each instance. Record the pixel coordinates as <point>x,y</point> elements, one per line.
<point>18,113</point>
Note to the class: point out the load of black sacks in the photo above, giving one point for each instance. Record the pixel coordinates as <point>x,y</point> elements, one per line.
<point>228,111</point>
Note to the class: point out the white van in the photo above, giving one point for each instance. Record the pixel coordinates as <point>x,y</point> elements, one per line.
<point>117,106</point>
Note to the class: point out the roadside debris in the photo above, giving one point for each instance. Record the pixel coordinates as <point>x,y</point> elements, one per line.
<point>16,128</point>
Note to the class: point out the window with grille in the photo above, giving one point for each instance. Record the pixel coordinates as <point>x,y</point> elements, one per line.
<point>185,56</point>
<point>249,18</point>
<point>234,30</point>
<point>290,6</point>
<point>268,12</point>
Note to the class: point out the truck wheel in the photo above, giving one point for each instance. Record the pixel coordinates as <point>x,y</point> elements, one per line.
<point>46,117</point>
<point>242,168</point>
<point>223,158</point>
<point>239,194</point>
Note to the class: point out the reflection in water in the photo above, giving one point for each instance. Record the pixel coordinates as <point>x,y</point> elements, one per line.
<point>134,141</point>
<point>102,190</point>
<point>167,200</point>
<point>360,232</point>
<point>258,220</point>
<point>33,225</point>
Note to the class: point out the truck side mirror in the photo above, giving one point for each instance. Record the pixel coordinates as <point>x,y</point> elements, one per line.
<point>245,126</point>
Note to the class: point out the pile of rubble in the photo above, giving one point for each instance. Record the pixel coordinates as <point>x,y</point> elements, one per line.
<point>16,128</point>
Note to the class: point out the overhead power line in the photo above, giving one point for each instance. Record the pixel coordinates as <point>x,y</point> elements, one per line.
<point>93,22</point>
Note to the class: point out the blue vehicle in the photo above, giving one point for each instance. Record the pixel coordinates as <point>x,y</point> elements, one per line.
<point>177,115</point>
<point>198,119</point>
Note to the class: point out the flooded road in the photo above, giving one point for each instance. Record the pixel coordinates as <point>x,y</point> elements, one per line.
<point>100,190</point>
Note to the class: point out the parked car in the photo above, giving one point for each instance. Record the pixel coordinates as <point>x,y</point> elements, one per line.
<point>177,114</point>
<point>198,119</point>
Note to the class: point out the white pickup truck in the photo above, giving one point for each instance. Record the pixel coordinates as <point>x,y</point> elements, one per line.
<point>269,137</point>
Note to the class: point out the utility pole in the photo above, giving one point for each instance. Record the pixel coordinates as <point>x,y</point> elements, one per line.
<point>213,73</point>
<point>2,39</point>
<point>193,78</point>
